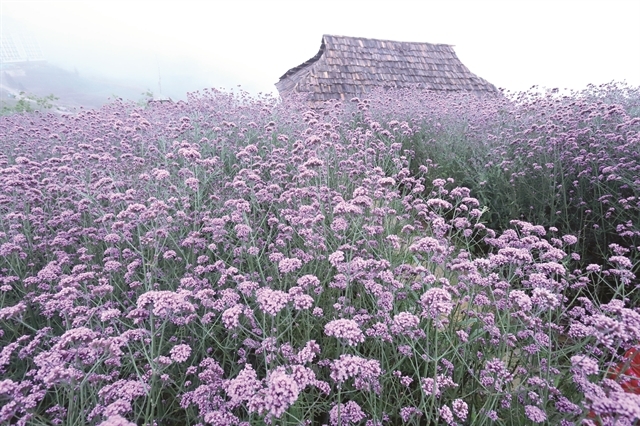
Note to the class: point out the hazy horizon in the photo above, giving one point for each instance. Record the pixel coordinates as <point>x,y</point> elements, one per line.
<point>191,45</point>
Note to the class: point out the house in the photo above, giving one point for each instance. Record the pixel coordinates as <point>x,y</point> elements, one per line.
<point>346,67</point>
<point>17,45</point>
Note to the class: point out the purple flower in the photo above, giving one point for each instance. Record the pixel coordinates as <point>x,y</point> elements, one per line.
<point>166,303</point>
<point>281,392</point>
<point>447,415</point>
<point>585,364</point>
<point>460,409</point>
<point>434,387</point>
<point>307,281</point>
<point>116,420</point>
<point>302,301</point>
<point>112,238</point>
<point>463,336</point>
<point>192,183</point>
<point>521,300</point>
<point>117,407</point>
<point>287,265</point>
<point>109,314</point>
<point>405,323</point>
<point>160,174</point>
<point>220,418</point>
<point>346,414</point>
<point>111,265</point>
<point>123,389</point>
<point>50,272</point>
<point>169,254</point>
<point>535,414</point>
<point>231,316</point>
<point>365,371</point>
<point>438,203</point>
<point>12,311</point>
<point>271,301</point>
<point>243,387</point>
<point>242,231</point>
<point>544,298</point>
<point>336,258</point>
<point>621,261</point>
<point>496,374</point>
<point>180,353</point>
<point>308,353</point>
<point>345,329</point>
<point>339,224</point>
<point>427,245</point>
<point>386,181</point>
<point>436,305</point>
<point>405,350</point>
<point>189,153</point>
<point>408,412</point>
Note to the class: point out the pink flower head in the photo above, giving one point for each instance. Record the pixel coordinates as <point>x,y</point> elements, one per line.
<point>436,304</point>
<point>339,224</point>
<point>405,323</point>
<point>287,265</point>
<point>109,314</point>
<point>345,329</point>
<point>117,420</point>
<point>346,414</point>
<point>169,254</point>
<point>520,299</point>
<point>569,239</point>
<point>180,353</point>
<point>123,389</point>
<point>231,317</point>
<point>446,415</point>
<point>189,153</point>
<point>621,261</point>
<point>308,353</point>
<point>460,409</point>
<point>166,303</point>
<point>336,258</point>
<point>406,413</point>
<point>427,245</point>
<point>111,238</point>
<point>535,414</point>
<point>584,364</point>
<point>281,392</point>
<point>365,371</point>
<point>160,174</point>
<point>271,301</point>
<point>544,298</point>
<point>192,183</point>
<point>112,265</point>
<point>12,311</point>
<point>243,387</point>
<point>117,407</point>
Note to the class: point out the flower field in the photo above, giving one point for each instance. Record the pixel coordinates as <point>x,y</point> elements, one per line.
<point>409,258</point>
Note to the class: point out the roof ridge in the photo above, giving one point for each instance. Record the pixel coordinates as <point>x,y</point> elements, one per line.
<point>387,41</point>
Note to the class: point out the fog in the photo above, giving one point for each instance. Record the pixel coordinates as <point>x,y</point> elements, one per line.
<point>171,47</point>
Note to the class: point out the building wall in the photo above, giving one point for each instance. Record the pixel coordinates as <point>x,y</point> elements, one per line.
<point>18,47</point>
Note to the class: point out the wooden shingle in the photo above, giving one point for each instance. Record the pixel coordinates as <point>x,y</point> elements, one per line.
<point>345,67</point>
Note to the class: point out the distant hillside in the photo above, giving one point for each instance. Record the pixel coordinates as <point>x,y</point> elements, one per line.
<point>73,90</point>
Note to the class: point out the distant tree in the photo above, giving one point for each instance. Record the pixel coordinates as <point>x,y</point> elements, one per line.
<point>26,104</point>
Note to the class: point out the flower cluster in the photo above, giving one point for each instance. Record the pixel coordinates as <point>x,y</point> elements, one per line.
<point>347,330</point>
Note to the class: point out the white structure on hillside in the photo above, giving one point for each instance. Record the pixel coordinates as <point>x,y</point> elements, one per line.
<point>17,45</point>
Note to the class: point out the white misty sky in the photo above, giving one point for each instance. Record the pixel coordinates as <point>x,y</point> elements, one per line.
<point>195,44</point>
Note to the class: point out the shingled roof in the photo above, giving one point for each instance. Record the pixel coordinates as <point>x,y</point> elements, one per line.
<point>349,66</point>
